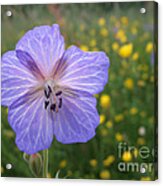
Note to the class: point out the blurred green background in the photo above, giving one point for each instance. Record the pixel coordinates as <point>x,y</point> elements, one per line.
<point>126,106</point>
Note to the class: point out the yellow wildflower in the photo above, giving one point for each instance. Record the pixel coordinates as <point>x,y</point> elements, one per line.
<point>102,21</point>
<point>133,111</point>
<point>119,34</point>
<point>105,101</point>
<point>124,20</point>
<point>115,46</point>
<point>105,174</point>
<point>102,118</point>
<point>63,164</point>
<point>109,124</point>
<point>127,156</point>
<point>108,161</point>
<point>135,56</point>
<point>123,39</point>
<point>104,32</point>
<point>84,48</point>
<point>119,137</point>
<point>93,162</point>
<point>119,117</point>
<point>129,84</point>
<point>126,50</point>
<point>149,47</point>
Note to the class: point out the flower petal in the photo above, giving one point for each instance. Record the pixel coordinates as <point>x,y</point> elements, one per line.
<point>45,44</point>
<point>77,120</point>
<point>29,63</point>
<point>31,123</point>
<point>16,79</point>
<point>87,71</point>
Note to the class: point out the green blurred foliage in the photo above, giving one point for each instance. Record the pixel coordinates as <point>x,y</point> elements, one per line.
<point>125,105</point>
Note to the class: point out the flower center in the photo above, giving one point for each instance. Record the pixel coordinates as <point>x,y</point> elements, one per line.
<point>53,96</point>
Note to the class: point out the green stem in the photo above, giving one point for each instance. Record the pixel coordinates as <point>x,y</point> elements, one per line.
<point>45,163</point>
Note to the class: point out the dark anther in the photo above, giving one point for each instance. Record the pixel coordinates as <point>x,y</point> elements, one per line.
<point>46,104</point>
<point>60,103</point>
<point>52,107</point>
<point>50,90</point>
<point>58,93</point>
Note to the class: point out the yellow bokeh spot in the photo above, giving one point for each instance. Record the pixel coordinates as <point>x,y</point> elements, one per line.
<point>63,164</point>
<point>102,118</point>
<point>93,162</point>
<point>129,83</point>
<point>143,114</point>
<point>135,56</point>
<point>141,83</point>
<point>105,101</point>
<point>93,43</point>
<point>109,124</point>
<point>105,174</point>
<point>102,21</point>
<point>49,175</point>
<point>115,46</point>
<point>149,47</point>
<point>104,32</point>
<point>119,117</point>
<point>147,178</point>
<point>133,111</point>
<point>119,137</point>
<point>2,170</point>
<point>126,50</point>
<point>134,30</point>
<point>140,141</point>
<point>123,39</point>
<point>84,48</point>
<point>104,132</point>
<point>119,34</point>
<point>127,156</point>
<point>124,20</point>
<point>108,161</point>
<point>135,152</point>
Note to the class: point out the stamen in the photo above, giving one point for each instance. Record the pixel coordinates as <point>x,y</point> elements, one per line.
<point>50,90</point>
<point>46,104</point>
<point>60,103</point>
<point>52,107</point>
<point>58,93</point>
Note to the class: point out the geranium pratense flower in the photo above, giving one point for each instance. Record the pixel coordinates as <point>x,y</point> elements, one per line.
<point>49,90</point>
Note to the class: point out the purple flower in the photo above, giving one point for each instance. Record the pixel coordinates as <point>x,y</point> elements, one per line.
<point>49,90</point>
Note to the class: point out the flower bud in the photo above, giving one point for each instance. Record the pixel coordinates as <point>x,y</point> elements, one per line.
<point>35,164</point>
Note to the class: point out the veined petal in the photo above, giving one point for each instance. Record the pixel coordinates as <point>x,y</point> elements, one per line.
<point>16,79</point>
<point>45,44</point>
<point>31,123</point>
<point>87,71</point>
<point>77,120</point>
